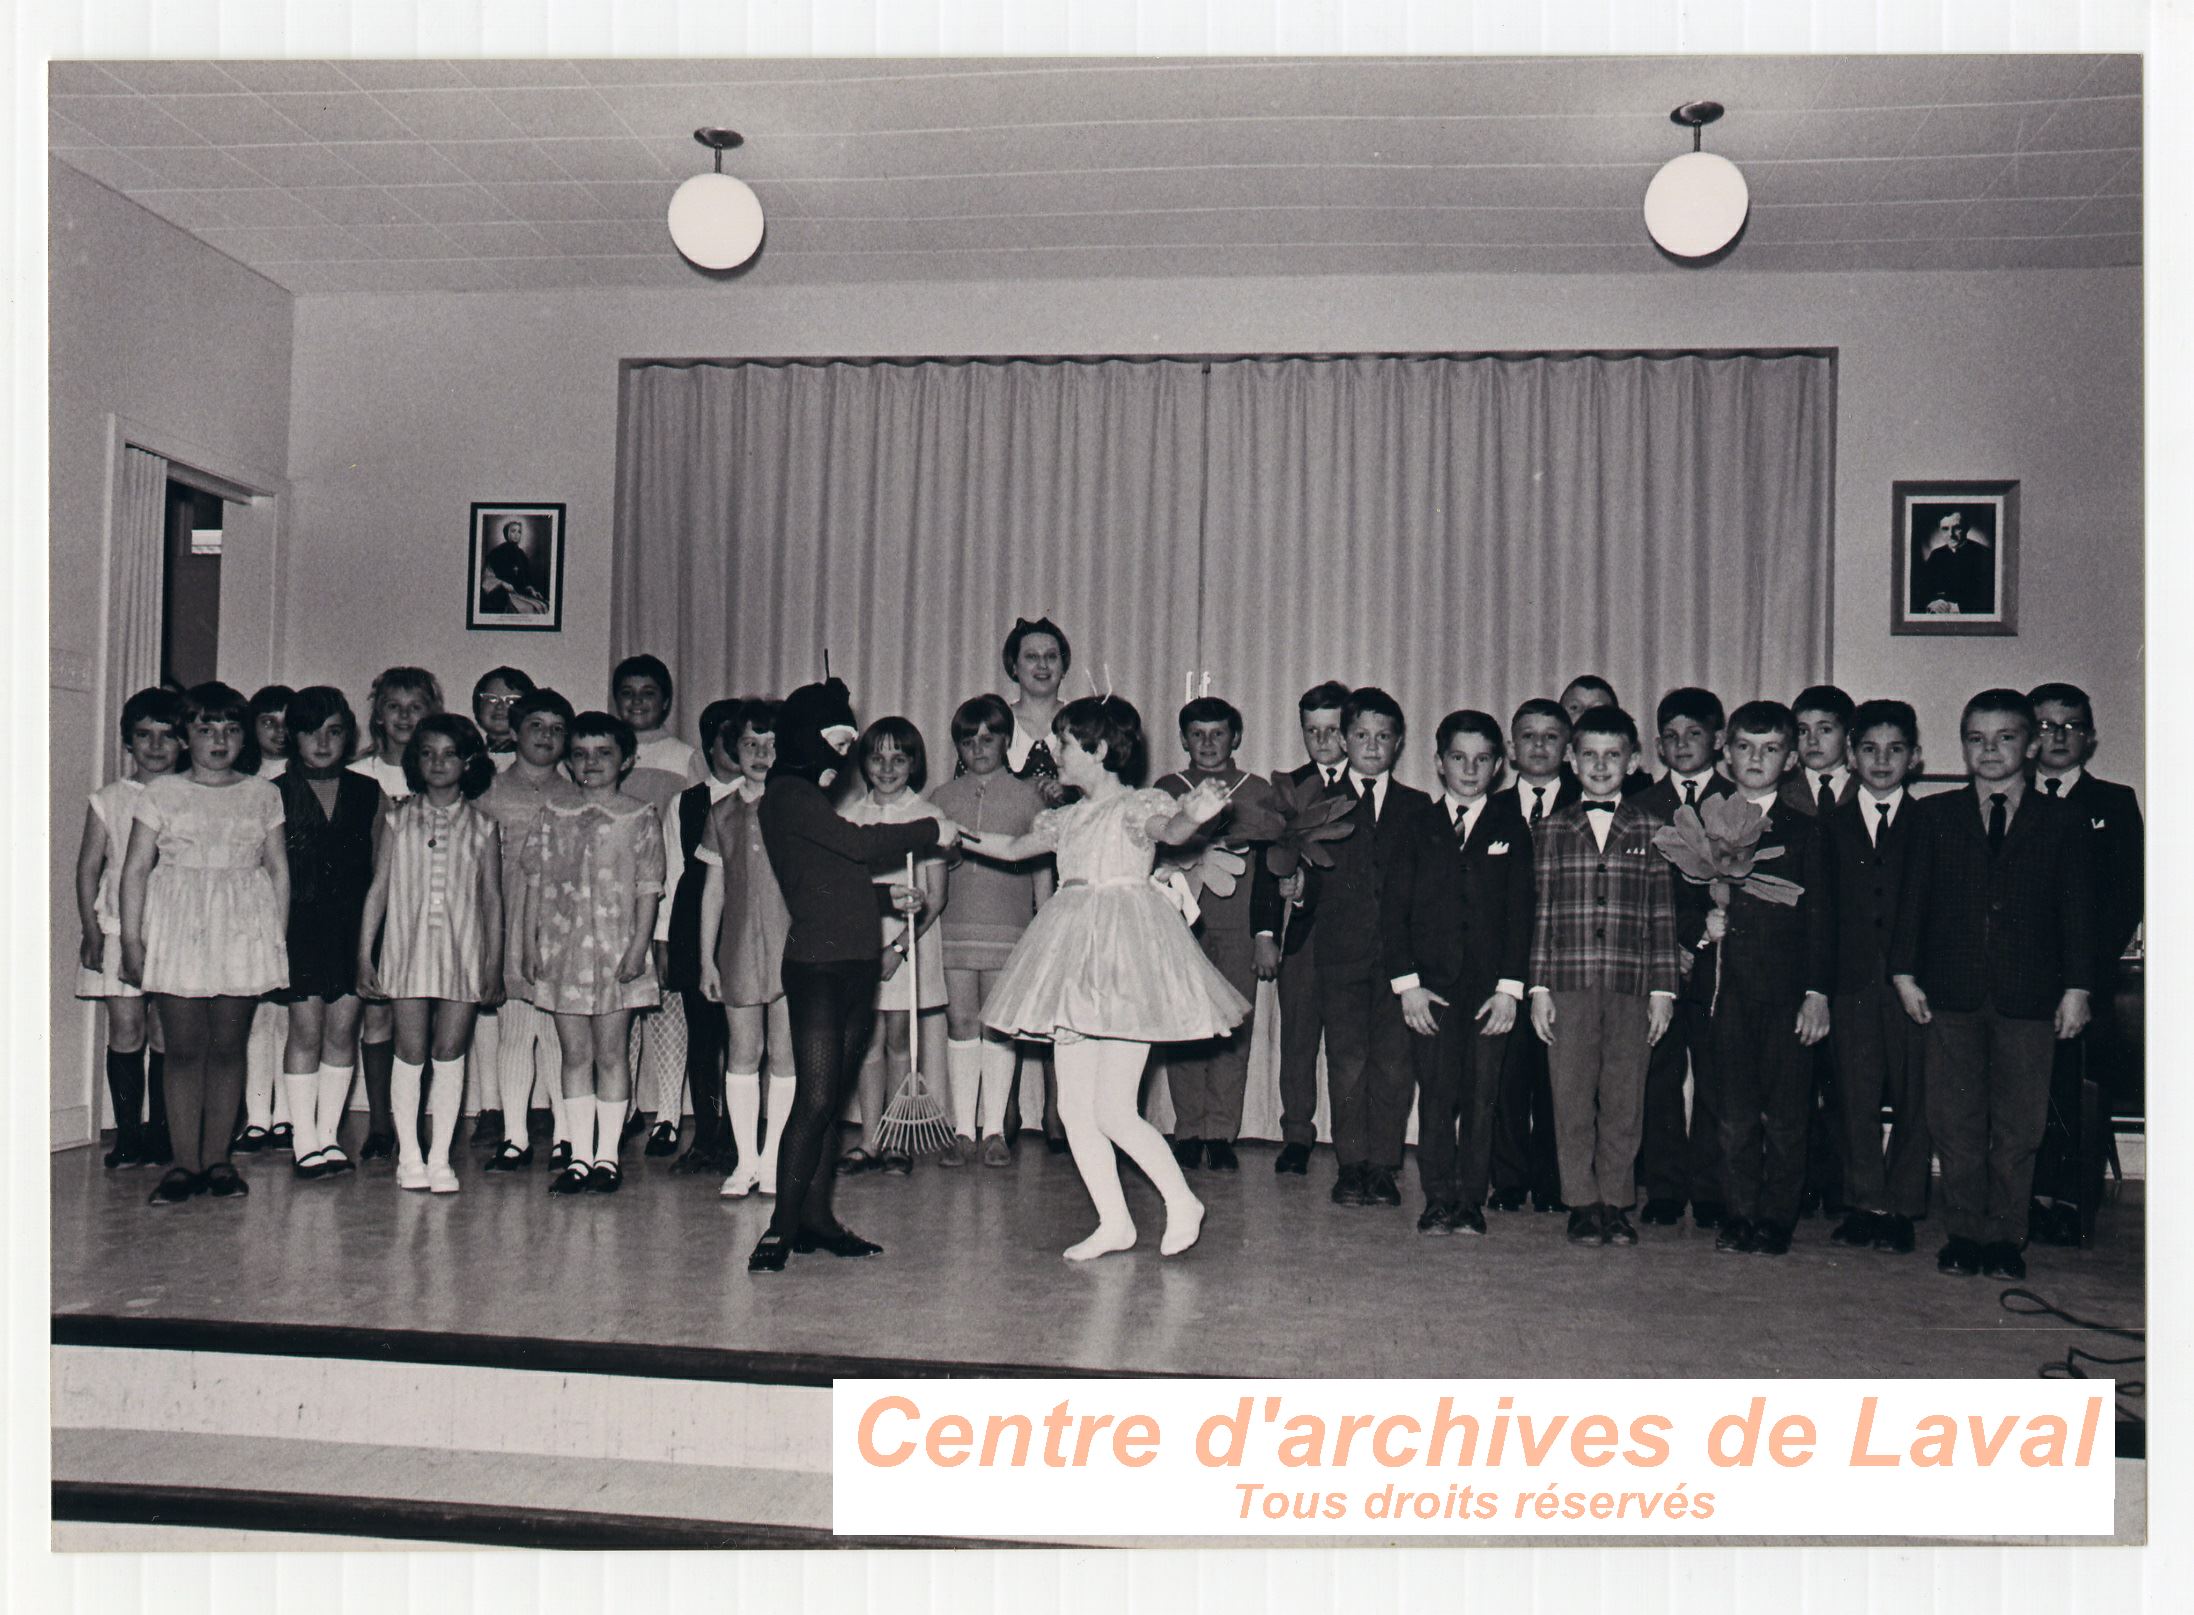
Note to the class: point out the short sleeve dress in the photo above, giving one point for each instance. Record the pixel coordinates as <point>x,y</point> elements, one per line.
<point>991,904</point>
<point>750,947</point>
<point>434,940</point>
<point>212,928</point>
<point>891,993</point>
<point>1109,956</point>
<point>114,805</point>
<point>587,865</point>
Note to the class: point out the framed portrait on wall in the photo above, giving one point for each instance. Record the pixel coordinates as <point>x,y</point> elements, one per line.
<point>515,579</point>
<point>1954,561</point>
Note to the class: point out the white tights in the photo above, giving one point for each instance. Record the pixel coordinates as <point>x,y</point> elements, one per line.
<point>1099,1078</point>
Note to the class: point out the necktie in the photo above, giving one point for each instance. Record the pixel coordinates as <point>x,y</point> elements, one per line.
<point>1691,793</point>
<point>1881,824</point>
<point>1332,774</point>
<point>1997,823</point>
<point>2053,785</point>
<point>1828,797</point>
<point>1462,826</point>
<point>1538,805</point>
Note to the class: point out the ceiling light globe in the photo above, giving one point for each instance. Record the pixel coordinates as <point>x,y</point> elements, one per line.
<point>716,221</point>
<point>1696,204</point>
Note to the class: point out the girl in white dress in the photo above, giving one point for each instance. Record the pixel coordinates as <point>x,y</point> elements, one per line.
<point>1108,966</point>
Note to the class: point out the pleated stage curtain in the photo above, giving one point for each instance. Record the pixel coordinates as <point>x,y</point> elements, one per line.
<point>136,570</point>
<point>1464,531</point>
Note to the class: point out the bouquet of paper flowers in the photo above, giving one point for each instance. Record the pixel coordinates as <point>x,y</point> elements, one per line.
<point>1717,845</point>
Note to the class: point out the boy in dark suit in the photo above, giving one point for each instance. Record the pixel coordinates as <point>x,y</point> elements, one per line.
<point>2065,721</point>
<point>1524,1158</point>
<point>1362,970</point>
<point>1603,974</point>
<point>1464,912</point>
<point>1778,966</point>
<point>1994,954</point>
<point>1823,780</point>
<point>1877,1048</point>
<point>1682,1158</point>
<point>1581,695</point>
<point>1282,933</point>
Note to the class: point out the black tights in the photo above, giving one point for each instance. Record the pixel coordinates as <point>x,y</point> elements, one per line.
<point>833,1011</point>
<point>708,1035</point>
<point>205,1074</point>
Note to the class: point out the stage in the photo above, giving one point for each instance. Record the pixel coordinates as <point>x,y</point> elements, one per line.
<point>215,1361</point>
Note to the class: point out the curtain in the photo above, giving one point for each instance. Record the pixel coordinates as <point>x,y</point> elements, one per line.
<point>1464,531</point>
<point>136,565</point>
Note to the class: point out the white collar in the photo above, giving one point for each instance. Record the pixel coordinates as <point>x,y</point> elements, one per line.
<point>1833,778</point>
<point>718,789</point>
<point>1455,805</point>
<point>1702,779</point>
<point>1765,801</point>
<point>1550,788</point>
<point>2071,777</point>
<point>1893,801</point>
<point>1374,783</point>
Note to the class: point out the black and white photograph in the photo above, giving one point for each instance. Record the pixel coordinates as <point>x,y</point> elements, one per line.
<point>516,571</point>
<point>1956,557</point>
<point>1560,928</point>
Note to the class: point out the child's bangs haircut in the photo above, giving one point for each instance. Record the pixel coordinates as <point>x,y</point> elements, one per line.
<point>642,666</point>
<point>905,739</point>
<point>272,698</point>
<point>1597,685</point>
<point>1110,719</point>
<point>1372,699</point>
<point>1764,718</point>
<point>1325,697</point>
<point>416,680</point>
<point>2059,694</point>
<point>758,716</point>
<point>313,706</point>
<point>595,725</point>
<point>1022,628</point>
<point>2010,701</point>
<point>980,712</point>
<point>479,771</point>
<point>153,705</point>
<point>534,701</point>
<point>1540,706</point>
<point>1826,698</point>
<point>1896,715</point>
<point>1469,721</point>
<point>1702,707</point>
<point>1603,721</point>
<point>1210,709</point>
<point>520,685</point>
<point>717,719</point>
<point>215,702</point>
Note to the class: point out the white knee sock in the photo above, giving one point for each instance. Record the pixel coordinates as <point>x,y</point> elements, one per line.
<point>445,1105</point>
<point>405,1082</point>
<point>609,1128</point>
<point>999,1057</point>
<point>579,1116</point>
<point>780,1111</point>
<point>484,1065</point>
<point>515,1040</point>
<point>326,1110</point>
<point>743,1099</point>
<point>301,1090</point>
<point>964,1071</point>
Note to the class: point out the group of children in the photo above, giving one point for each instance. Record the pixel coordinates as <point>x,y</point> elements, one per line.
<point>583,902</point>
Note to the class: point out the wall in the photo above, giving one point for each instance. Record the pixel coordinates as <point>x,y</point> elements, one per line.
<point>407,409</point>
<point>152,325</point>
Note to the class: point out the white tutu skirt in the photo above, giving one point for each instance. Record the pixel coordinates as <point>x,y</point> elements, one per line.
<point>1114,959</point>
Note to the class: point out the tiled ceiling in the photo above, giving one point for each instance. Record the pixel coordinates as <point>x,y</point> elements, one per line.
<point>486,175</point>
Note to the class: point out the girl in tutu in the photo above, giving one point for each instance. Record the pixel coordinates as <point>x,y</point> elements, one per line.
<point>1108,967</point>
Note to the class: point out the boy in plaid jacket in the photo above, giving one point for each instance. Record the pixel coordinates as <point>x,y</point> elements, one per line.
<point>1603,974</point>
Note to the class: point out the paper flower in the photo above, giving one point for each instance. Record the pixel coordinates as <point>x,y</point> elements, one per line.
<point>1216,870</point>
<point>1294,830</point>
<point>1717,845</point>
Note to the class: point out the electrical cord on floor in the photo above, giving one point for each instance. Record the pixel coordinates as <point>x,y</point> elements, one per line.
<point>2030,1305</point>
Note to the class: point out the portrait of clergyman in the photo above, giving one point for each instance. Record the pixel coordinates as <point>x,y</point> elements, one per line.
<point>517,567</point>
<point>1956,558</point>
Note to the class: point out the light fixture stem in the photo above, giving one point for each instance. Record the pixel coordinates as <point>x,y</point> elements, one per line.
<point>1696,131</point>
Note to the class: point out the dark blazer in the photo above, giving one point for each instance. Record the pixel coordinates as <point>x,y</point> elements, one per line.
<point>1775,954</point>
<point>1347,937</point>
<point>2016,930</point>
<point>1796,791</point>
<point>1868,878</point>
<point>1460,914</point>
<point>2117,860</point>
<point>1693,904</point>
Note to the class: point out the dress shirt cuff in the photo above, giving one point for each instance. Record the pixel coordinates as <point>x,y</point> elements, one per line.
<point>1513,989</point>
<point>1662,992</point>
<point>1263,936</point>
<point>1542,992</point>
<point>1403,984</point>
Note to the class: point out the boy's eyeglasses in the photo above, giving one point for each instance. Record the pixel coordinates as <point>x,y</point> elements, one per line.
<point>2063,731</point>
<point>498,703</point>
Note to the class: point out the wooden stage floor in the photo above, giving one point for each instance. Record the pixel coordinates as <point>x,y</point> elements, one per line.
<point>1283,1283</point>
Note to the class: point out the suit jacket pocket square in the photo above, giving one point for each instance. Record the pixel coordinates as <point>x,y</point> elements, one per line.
<point>1500,848</point>
<point>2098,824</point>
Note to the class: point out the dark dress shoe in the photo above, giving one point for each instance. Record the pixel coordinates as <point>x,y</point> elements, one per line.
<point>129,1150</point>
<point>1735,1234</point>
<point>560,1155</point>
<point>1380,1189</point>
<point>1548,1203</point>
<point>2002,1260</point>
<point>838,1241</point>
<point>1893,1234</point>
<point>1506,1200</point>
<point>1616,1229</point>
<point>1434,1221</point>
<point>250,1141</point>
<point>1960,1258</point>
<point>1707,1213</point>
<point>1293,1158</point>
<point>378,1147</point>
<point>663,1140</point>
<point>158,1149</point>
<point>572,1180</point>
<point>1220,1157</point>
<point>1057,1146</point>
<point>282,1136</point>
<point>509,1158</point>
<point>1584,1225</point>
<point>769,1254</point>
<point>1466,1220</point>
<point>1348,1188</point>
<point>175,1187</point>
<point>1858,1229</point>
<point>224,1182</point>
<point>487,1129</point>
<point>604,1178</point>
<point>1662,1213</point>
<point>1189,1152</point>
<point>2056,1224</point>
<point>704,1158</point>
<point>1771,1239</point>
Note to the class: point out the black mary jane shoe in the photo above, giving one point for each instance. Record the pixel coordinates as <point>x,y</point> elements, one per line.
<point>572,1180</point>
<point>839,1242</point>
<point>604,1178</point>
<point>310,1167</point>
<point>282,1136</point>
<point>769,1255</point>
<point>250,1141</point>
<point>175,1187</point>
<point>559,1155</point>
<point>663,1140</point>
<point>509,1158</point>
<point>224,1182</point>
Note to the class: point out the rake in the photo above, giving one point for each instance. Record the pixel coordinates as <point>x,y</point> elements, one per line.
<point>914,1121</point>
